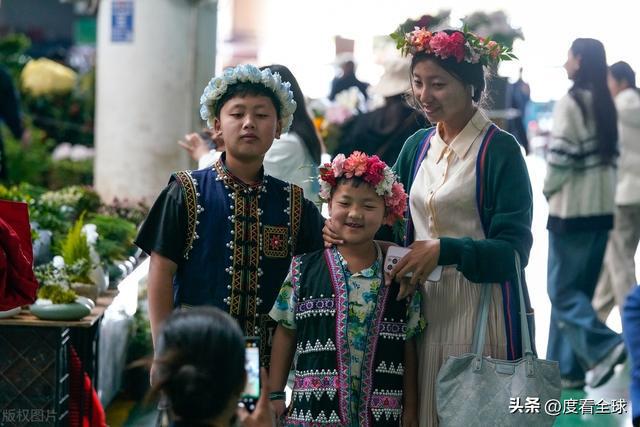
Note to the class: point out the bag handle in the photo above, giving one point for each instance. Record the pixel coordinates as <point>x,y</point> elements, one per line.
<point>480,333</point>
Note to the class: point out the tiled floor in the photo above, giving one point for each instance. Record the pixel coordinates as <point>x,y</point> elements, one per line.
<point>615,389</point>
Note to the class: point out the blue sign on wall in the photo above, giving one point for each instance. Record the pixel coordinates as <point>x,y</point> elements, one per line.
<point>122,21</point>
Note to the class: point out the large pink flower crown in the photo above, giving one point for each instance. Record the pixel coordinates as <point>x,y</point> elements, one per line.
<point>371,170</point>
<point>461,45</point>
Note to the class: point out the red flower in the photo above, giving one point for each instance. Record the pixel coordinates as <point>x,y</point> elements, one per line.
<point>445,45</point>
<point>375,171</point>
<point>326,174</point>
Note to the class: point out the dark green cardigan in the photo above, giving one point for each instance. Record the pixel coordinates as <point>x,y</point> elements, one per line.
<point>506,214</point>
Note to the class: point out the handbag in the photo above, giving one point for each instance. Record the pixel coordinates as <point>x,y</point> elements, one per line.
<point>477,390</point>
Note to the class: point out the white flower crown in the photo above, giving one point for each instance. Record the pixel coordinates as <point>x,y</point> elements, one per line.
<point>218,86</point>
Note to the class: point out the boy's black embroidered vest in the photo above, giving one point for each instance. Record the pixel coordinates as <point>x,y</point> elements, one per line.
<point>249,235</point>
<point>321,388</point>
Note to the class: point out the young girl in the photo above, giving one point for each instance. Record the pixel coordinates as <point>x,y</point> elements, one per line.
<point>345,327</point>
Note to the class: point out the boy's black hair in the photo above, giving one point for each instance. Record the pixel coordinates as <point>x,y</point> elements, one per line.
<point>243,89</point>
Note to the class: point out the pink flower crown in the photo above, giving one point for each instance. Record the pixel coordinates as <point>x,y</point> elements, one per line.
<point>461,45</point>
<point>373,171</point>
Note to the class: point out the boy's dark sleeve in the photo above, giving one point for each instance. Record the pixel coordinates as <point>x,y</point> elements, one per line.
<point>309,237</point>
<point>165,229</point>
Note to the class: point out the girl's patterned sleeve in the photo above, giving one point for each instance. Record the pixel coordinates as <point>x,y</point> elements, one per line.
<point>284,309</point>
<point>415,321</point>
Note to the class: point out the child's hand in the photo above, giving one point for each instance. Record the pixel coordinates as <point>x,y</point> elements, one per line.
<point>329,236</point>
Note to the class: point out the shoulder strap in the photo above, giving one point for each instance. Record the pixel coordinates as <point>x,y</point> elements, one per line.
<point>480,168</point>
<point>421,153</point>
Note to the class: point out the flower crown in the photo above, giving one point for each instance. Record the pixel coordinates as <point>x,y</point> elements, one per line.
<point>219,85</point>
<point>461,45</point>
<point>374,172</point>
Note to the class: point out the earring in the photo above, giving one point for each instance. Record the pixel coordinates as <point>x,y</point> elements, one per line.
<point>473,91</point>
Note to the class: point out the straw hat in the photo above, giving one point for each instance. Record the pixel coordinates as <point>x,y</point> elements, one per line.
<point>395,79</point>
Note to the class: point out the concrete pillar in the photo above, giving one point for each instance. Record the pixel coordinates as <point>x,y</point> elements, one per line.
<point>147,93</point>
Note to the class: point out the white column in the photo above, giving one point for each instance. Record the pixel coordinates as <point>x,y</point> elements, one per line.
<point>147,93</point>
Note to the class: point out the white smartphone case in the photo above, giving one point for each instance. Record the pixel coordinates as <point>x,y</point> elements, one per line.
<point>395,254</point>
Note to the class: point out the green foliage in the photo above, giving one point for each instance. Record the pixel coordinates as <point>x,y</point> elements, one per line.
<point>13,48</point>
<point>140,344</point>
<point>70,172</point>
<point>116,235</point>
<point>48,275</point>
<point>132,212</point>
<point>75,249</point>
<point>57,294</point>
<point>74,198</point>
<point>28,164</point>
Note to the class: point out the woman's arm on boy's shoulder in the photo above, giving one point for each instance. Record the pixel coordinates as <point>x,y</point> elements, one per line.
<point>410,385</point>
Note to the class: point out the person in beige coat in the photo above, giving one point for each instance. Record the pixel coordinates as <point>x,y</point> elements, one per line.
<point>618,274</point>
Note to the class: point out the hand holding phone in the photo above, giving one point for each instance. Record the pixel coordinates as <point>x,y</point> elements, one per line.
<point>251,392</point>
<point>396,253</point>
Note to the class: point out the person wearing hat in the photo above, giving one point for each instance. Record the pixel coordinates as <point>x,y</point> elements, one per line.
<point>383,130</point>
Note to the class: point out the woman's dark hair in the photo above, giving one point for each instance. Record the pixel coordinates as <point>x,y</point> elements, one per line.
<point>622,72</point>
<point>243,89</point>
<point>302,124</point>
<point>465,72</point>
<point>201,363</point>
<point>592,76</point>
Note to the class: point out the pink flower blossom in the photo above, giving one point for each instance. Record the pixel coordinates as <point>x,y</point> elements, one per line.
<point>338,165</point>
<point>355,165</point>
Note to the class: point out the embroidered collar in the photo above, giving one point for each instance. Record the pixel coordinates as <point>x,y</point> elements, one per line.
<point>464,140</point>
<point>370,272</point>
<point>233,181</point>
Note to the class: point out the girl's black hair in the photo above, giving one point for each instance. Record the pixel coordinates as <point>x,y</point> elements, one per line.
<point>201,363</point>
<point>622,72</point>
<point>242,89</point>
<point>592,76</point>
<point>302,124</point>
<point>466,72</point>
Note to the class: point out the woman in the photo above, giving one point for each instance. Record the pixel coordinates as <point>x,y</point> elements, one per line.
<point>200,371</point>
<point>618,274</point>
<point>580,186</point>
<point>463,166</point>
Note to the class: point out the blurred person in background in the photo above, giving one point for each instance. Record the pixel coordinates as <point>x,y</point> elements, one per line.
<point>519,97</point>
<point>383,131</point>
<point>618,274</point>
<point>579,187</point>
<point>347,79</point>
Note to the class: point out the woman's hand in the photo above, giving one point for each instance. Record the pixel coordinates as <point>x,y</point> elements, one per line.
<point>421,261</point>
<point>263,415</point>
<point>329,236</point>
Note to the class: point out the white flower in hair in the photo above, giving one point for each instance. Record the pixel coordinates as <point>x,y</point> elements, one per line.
<point>218,86</point>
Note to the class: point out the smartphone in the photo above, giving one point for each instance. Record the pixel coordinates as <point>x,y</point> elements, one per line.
<point>395,254</point>
<point>251,391</point>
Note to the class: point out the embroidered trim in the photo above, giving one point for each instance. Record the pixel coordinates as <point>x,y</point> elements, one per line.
<point>295,214</point>
<point>393,330</point>
<point>387,403</point>
<point>275,241</point>
<point>194,209</point>
<point>369,356</point>
<point>391,369</point>
<point>315,307</point>
<point>340,291</point>
<point>308,419</point>
<point>318,347</point>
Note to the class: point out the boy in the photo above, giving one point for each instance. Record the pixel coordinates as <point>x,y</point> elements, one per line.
<point>225,235</point>
<point>356,357</point>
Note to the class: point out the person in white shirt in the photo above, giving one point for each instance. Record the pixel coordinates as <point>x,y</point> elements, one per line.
<point>618,274</point>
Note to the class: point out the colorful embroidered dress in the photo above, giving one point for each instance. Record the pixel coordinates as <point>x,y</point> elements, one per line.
<point>232,242</point>
<point>338,374</point>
